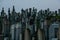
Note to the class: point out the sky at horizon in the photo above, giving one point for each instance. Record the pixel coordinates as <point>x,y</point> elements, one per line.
<point>39,4</point>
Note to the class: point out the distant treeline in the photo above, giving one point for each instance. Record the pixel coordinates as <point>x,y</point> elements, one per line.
<point>30,13</point>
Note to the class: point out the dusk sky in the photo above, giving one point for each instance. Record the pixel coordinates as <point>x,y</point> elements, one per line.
<point>39,4</point>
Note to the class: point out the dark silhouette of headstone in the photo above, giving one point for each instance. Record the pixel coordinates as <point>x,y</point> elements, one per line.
<point>59,11</point>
